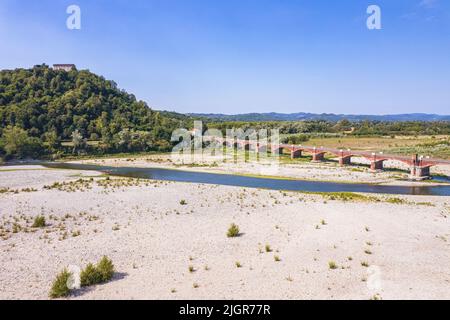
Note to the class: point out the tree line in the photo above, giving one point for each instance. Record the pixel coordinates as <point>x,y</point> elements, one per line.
<point>356,128</point>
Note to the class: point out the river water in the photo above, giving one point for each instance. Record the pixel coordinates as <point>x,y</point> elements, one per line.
<point>254,182</point>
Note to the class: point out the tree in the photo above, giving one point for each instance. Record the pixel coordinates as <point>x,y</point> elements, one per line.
<point>79,143</point>
<point>17,144</point>
<point>53,141</point>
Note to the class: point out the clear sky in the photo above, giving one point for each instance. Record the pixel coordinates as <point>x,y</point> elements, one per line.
<point>236,56</point>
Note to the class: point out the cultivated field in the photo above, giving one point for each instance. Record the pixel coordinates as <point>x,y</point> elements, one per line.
<point>433,146</point>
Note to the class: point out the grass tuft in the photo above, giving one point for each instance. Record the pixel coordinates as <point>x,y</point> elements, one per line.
<point>39,222</point>
<point>233,231</point>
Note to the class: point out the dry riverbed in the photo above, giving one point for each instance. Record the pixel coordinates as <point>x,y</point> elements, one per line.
<point>168,240</point>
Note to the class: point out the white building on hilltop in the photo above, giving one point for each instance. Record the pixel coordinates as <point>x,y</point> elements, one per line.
<point>65,67</point>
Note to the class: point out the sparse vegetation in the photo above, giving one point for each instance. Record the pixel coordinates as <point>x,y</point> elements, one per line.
<point>39,222</point>
<point>396,201</point>
<point>76,233</point>
<point>106,269</point>
<point>100,273</point>
<point>233,231</point>
<point>90,276</point>
<point>332,265</point>
<point>59,287</point>
<point>365,264</point>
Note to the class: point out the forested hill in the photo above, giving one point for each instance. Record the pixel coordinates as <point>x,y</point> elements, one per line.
<point>48,106</point>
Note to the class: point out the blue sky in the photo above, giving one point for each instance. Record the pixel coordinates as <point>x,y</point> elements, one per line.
<point>236,56</point>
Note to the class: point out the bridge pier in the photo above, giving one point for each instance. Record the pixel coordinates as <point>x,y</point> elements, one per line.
<point>376,165</point>
<point>345,160</point>
<point>420,173</point>
<point>318,156</point>
<point>296,153</point>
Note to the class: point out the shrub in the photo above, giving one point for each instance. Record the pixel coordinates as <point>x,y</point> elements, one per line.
<point>106,269</point>
<point>332,265</point>
<point>183,202</point>
<point>268,248</point>
<point>59,287</point>
<point>365,264</point>
<point>296,139</point>
<point>100,273</point>
<point>233,231</point>
<point>90,276</point>
<point>39,222</point>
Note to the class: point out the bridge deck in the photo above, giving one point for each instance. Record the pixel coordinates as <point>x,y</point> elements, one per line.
<point>376,156</point>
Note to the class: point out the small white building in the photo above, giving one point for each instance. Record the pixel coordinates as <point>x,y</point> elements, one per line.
<point>65,67</point>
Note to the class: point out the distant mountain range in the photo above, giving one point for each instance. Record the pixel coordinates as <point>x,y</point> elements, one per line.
<point>273,116</point>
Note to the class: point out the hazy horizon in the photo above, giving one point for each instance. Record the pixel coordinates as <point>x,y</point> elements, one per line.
<point>250,56</point>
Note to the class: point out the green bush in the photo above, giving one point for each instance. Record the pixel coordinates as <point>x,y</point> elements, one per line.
<point>16,143</point>
<point>106,269</point>
<point>233,231</point>
<point>90,276</point>
<point>39,222</point>
<point>296,139</point>
<point>59,287</point>
<point>332,265</point>
<point>100,273</point>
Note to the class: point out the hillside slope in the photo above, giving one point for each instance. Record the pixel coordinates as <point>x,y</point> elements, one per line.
<point>50,105</point>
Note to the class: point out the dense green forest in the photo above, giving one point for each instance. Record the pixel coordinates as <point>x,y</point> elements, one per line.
<point>41,108</point>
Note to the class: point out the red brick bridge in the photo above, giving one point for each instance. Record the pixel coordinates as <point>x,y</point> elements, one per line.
<point>419,166</point>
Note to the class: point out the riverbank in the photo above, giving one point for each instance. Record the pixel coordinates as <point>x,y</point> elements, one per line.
<point>395,173</point>
<point>168,240</point>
